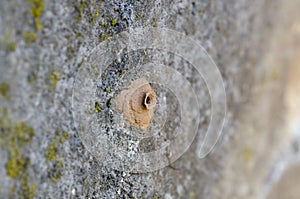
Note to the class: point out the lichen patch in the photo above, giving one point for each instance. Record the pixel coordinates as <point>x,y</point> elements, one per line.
<point>137,103</point>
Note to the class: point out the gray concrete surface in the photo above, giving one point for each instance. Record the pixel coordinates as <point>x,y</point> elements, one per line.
<point>44,45</point>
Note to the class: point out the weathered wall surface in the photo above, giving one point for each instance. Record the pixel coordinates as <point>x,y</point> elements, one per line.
<point>44,45</point>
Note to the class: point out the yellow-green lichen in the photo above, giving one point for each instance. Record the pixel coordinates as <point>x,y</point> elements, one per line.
<point>156,196</point>
<point>95,15</point>
<point>104,36</point>
<point>14,137</point>
<point>16,164</point>
<point>32,77</point>
<point>98,107</point>
<point>53,77</point>
<point>5,90</point>
<point>89,9</point>
<point>108,89</point>
<point>248,153</point>
<point>36,11</point>
<point>37,8</point>
<point>29,36</point>
<point>138,15</point>
<point>63,137</point>
<point>83,4</point>
<point>9,46</point>
<point>7,43</point>
<point>12,192</point>
<point>52,148</point>
<point>200,9</point>
<point>55,172</point>
<point>274,73</point>
<point>114,21</point>
<point>108,26</point>
<point>27,190</point>
<point>192,195</point>
<point>103,23</point>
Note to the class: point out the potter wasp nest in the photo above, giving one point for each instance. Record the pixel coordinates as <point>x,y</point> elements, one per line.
<point>137,103</point>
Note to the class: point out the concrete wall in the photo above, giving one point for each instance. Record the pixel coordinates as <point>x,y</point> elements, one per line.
<point>60,123</point>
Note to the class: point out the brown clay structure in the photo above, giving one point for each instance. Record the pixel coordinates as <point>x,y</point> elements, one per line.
<point>137,103</point>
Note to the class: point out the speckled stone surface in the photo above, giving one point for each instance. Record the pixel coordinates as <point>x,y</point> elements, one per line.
<point>44,44</point>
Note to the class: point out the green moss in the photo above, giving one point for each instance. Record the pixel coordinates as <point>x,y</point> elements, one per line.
<point>29,37</point>
<point>5,90</point>
<point>53,77</point>
<point>36,11</point>
<point>27,190</point>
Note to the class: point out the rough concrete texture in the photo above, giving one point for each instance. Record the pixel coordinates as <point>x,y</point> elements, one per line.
<point>255,44</point>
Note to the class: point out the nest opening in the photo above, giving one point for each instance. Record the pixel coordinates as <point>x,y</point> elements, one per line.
<point>149,101</point>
